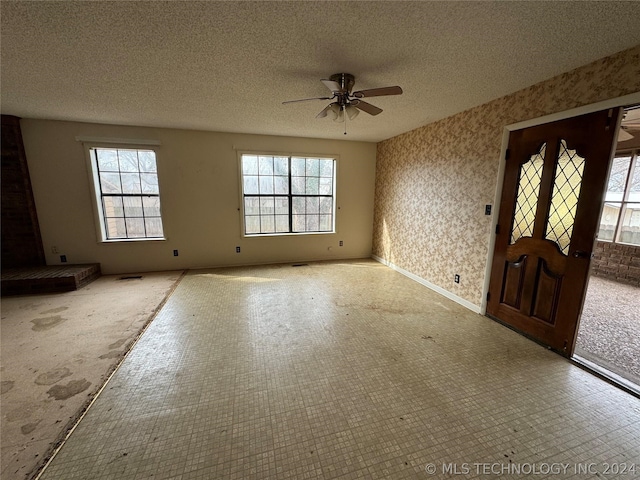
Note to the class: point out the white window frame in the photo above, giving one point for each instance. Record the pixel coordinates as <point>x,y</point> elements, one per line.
<point>90,145</point>
<point>243,215</point>
<point>634,166</point>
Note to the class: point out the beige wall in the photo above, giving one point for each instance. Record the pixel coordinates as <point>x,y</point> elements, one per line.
<point>199,188</point>
<point>432,183</point>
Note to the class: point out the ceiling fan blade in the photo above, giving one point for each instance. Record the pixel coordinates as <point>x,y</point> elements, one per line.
<point>367,107</point>
<point>378,92</point>
<point>324,111</point>
<point>307,99</point>
<point>624,136</point>
<point>331,85</point>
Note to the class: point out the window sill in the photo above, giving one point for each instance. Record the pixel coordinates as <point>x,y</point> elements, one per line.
<point>300,234</point>
<point>133,240</point>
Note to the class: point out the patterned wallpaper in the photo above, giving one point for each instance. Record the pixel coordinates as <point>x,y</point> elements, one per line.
<point>432,183</point>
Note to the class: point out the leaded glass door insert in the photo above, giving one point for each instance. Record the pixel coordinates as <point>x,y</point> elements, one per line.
<point>564,200</point>
<point>528,192</point>
<point>552,193</point>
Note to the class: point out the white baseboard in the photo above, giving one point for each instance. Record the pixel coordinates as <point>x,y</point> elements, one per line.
<point>435,288</point>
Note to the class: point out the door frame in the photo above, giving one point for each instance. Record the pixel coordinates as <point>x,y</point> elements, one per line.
<point>629,99</point>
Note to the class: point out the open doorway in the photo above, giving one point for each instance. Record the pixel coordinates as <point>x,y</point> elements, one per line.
<point>608,339</point>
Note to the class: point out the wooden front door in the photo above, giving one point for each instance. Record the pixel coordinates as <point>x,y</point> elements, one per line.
<point>553,189</point>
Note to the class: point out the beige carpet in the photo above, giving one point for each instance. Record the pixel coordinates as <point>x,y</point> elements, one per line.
<point>58,350</point>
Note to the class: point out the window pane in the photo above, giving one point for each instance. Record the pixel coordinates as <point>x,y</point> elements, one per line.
<point>147,161</point>
<point>151,206</point>
<point>252,224</point>
<point>129,193</point>
<point>132,206</point>
<point>107,160</point>
<point>298,223</point>
<point>282,223</point>
<point>326,205</point>
<point>153,226</point>
<point>326,168</point>
<point>149,182</point>
<point>634,190</point>
<point>267,224</point>
<point>266,185</point>
<point>281,166</point>
<point>252,205</point>
<point>298,167</point>
<point>115,228</point>
<point>298,205</point>
<point>630,224</point>
<point>312,185</point>
<point>267,206</point>
<point>313,223</point>
<point>112,207</point>
<point>266,165</point>
<point>110,183</point>
<point>297,185</point>
<point>313,167</point>
<point>251,185</point>
<point>135,227</point>
<point>326,223</point>
<point>249,165</point>
<point>313,205</point>
<point>275,187</point>
<point>282,185</point>
<point>617,179</point>
<point>326,186</point>
<point>128,160</point>
<point>608,221</point>
<point>130,182</point>
<point>282,206</point>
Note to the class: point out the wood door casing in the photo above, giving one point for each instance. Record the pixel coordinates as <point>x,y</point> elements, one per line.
<point>537,283</point>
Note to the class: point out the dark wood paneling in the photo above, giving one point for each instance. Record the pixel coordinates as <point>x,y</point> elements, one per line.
<point>21,241</point>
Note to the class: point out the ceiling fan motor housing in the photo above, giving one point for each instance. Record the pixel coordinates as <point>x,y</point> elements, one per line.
<point>345,80</point>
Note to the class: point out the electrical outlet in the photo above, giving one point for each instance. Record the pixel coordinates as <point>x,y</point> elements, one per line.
<point>487,209</point>
<point>456,278</point>
<point>175,253</point>
<point>341,243</point>
<point>237,249</point>
<point>54,249</point>
<point>63,258</point>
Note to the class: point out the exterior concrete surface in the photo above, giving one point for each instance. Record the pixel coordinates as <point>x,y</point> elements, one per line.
<point>609,332</point>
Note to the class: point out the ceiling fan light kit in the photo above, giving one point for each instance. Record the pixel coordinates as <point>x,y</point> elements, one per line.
<point>346,103</point>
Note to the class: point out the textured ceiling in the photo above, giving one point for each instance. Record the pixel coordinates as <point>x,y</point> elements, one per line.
<point>227,66</point>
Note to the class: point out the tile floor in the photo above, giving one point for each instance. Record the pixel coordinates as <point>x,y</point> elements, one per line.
<point>342,370</point>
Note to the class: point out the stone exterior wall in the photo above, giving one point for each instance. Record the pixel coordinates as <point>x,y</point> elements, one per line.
<point>617,262</point>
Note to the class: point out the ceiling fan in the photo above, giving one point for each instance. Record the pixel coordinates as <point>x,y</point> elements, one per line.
<point>630,125</point>
<point>348,103</point>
